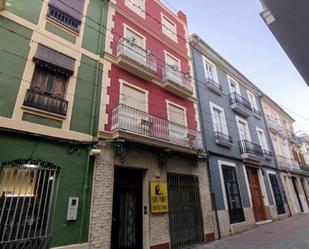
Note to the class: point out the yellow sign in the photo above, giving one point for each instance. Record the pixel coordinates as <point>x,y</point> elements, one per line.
<point>158,197</point>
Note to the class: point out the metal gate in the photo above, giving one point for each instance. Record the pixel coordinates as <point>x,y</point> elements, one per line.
<point>185,212</point>
<point>26,189</point>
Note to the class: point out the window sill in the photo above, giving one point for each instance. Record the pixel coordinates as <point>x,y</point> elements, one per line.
<point>43,113</point>
<point>61,26</point>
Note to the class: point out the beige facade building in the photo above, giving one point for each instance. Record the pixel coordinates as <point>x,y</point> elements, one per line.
<point>287,148</point>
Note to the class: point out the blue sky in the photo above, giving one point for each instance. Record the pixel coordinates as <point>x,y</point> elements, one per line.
<point>237,32</point>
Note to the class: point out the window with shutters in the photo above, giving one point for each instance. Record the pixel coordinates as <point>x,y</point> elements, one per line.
<point>172,62</point>
<point>133,97</point>
<point>262,139</point>
<point>234,86</point>
<point>176,114</point>
<point>47,90</point>
<point>218,119</point>
<point>169,28</point>
<point>243,129</point>
<point>210,70</point>
<point>252,100</point>
<point>138,6</point>
<point>134,37</point>
<point>67,13</point>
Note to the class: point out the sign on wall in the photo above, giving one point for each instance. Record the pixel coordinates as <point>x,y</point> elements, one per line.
<point>158,197</point>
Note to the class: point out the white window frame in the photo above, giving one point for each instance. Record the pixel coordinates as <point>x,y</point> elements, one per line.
<point>238,119</point>
<point>229,78</point>
<point>123,82</point>
<point>220,163</point>
<point>168,33</point>
<point>135,9</point>
<point>264,146</point>
<point>212,107</point>
<point>126,28</point>
<point>176,59</point>
<point>253,100</point>
<point>168,103</point>
<point>207,61</point>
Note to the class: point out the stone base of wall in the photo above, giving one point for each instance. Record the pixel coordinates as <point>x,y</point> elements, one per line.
<point>161,246</point>
<point>228,229</point>
<point>210,237</point>
<point>77,246</point>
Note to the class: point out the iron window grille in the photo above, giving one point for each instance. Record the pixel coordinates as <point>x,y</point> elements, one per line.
<point>223,137</point>
<point>235,98</point>
<point>247,147</point>
<point>63,18</point>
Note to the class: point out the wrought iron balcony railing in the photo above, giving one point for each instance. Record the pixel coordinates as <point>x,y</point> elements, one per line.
<point>256,112</point>
<point>275,125</point>
<point>214,86</point>
<point>268,155</point>
<point>133,120</point>
<point>45,102</point>
<point>235,98</point>
<point>181,79</point>
<point>247,147</point>
<point>129,49</point>
<point>284,162</point>
<point>223,137</point>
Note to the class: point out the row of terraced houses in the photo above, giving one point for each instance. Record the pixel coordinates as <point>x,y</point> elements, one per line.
<point>118,129</point>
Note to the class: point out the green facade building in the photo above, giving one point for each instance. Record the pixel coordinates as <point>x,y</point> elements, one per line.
<point>51,75</point>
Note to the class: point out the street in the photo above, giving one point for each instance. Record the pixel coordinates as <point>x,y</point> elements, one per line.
<point>290,233</point>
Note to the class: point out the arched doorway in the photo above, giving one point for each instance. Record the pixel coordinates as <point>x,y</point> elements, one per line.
<point>26,191</point>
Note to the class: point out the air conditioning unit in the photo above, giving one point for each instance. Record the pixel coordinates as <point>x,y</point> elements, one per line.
<point>2,4</point>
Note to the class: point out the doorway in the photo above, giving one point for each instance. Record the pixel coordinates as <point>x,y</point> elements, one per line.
<point>257,197</point>
<point>294,181</point>
<point>127,220</point>
<point>277,194</point>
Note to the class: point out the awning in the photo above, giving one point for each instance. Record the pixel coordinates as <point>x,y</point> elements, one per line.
<point>73,8</point>
<point>51,58</point>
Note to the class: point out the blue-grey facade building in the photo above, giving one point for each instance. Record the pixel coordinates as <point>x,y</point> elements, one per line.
<point>243,173</point>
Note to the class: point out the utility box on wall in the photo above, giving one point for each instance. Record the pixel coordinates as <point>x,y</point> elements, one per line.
<point>72,208</point>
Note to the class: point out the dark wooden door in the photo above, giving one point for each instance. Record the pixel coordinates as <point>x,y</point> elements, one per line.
<point>257,197</point>
<point>127,229</point>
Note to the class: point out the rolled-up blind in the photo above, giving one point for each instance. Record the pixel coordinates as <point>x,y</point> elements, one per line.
<point>52,58</point>
<point>73,8</point>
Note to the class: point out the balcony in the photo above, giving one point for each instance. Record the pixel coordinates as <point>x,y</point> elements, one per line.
<point>284,162</point>
<point>256,113</point>
<point>304,167</point>
<point>239,104</point>
<point>275,126</point>
<point>214,86</point>
<point>295,165</point>
<point>249,150</point>
<point>135,125</point>
<point>177,82</point>
<point>45,102</point>
<point>223,139</point>
<point>136,60</point>
<point>268,155</point>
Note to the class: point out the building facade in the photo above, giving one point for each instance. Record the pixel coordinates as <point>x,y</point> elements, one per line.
<point>287,148</point>
<point>150,181</point>
<point>50,78</point>
<point>243,173</point>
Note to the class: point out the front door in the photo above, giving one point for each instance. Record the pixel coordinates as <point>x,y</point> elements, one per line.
<point>277,193</point>
<point>127,229</point>
<point>185,211</point>
<point>257,197</point>
<point>294,181</point>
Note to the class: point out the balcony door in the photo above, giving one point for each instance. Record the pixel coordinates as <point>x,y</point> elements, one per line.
<point>262,139</point>
<point>243,129</point>
<point>134,46</point>
<point>177,125</point>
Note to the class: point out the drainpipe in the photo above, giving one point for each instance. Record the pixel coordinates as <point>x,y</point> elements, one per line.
<point>212,195</point>
<point>92,128</point>
<point>275,158</point>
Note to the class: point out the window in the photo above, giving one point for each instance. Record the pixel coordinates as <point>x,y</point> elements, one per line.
<point>176,114</point>
<point>133,97</point>
<point>243,129</point>
<point>210,70</point>
<point>66,13</point>
<point>169,28</point>
<point>234,86</point>
<point>138,6</point>
<point>233,197</point>
<point>172,62</point>
<point>218,119</point>
<point>252,100</point>
<point>134,38</point>
<point>262,139</point>
<point>47,91</point>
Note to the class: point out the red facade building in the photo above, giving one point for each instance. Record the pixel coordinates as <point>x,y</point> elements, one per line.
<point>149,130</point>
